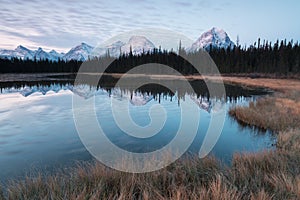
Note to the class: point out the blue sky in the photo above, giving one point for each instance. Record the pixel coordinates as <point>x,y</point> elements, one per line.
<point>62,24</point>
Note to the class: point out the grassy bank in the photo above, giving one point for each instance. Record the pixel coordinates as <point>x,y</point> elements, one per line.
<point>279,112</point>
<point>265,175</point>
<point>273,174</point>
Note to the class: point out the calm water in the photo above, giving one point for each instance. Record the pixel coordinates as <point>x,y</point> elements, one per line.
<point>37,130</point>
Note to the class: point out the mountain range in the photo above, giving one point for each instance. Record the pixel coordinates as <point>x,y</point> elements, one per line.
<point>213,38</point>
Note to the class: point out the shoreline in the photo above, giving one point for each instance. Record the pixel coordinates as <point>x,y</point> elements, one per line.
<point>277,84</point>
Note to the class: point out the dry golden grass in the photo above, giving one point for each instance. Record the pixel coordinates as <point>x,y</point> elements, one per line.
<point>273,174</point>
<point>278,171</point>
<point>288,104</point>
<point>279,112</point>
<point>265,175</point>
<point>274,84</point>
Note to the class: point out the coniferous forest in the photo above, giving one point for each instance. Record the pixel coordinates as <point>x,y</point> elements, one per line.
<point>280,58</point>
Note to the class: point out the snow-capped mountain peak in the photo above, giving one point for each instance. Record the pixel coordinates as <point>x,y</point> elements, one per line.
<point>80,52</point>
<point>138,45</point>
<point>23,52</point>
<point>20,52</point>
<point>215,37</point>
<point>113,49</point>
<point>116,44</point>
<point>53,51</point>
<point>56,55</point>
<point>40,54</point>
<point>21,48</point>
<point>138,39</point>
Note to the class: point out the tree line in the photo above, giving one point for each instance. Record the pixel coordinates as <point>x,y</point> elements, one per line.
<point>282,58</point>
<point>262,57</point>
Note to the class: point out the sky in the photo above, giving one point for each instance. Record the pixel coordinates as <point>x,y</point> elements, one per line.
<point>62,24</point>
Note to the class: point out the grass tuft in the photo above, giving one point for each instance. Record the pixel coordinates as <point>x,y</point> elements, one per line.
<point>276,113</point>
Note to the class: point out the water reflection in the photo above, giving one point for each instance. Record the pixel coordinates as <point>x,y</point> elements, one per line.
<point>145,93</point>
<point>37,127</point>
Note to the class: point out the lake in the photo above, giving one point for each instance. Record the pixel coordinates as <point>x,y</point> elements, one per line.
<point>38,132</point>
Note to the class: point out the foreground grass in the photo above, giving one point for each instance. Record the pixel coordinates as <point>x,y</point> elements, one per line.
<point>280,113</point>
<point>265,175</point>
<point>273,174</point>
